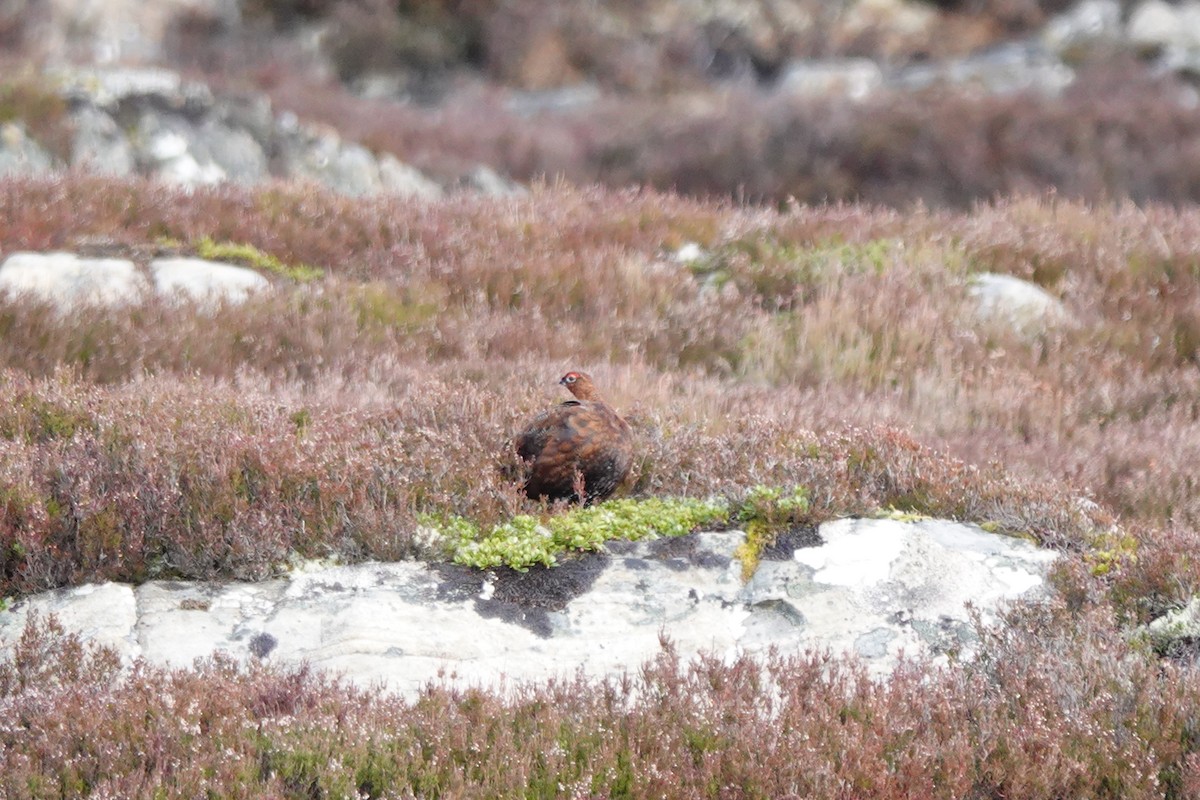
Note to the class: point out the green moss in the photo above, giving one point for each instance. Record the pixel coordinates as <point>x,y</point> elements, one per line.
<point>301,419</point>
<point>775,269</point>
<point>251,256</point>
<point>765,512</point>
<point>527,540</point>
<point>901,515</point>
<point>1110,551</point>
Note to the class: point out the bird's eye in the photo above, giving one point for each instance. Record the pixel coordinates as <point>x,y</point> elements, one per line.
<point>570,379</point>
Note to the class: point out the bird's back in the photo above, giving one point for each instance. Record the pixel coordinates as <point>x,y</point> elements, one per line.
<point>577,439</point>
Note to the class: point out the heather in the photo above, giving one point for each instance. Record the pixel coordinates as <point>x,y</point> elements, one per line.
<point>809,362</point>
<point>1120,131</point>
<point>1083,713</point>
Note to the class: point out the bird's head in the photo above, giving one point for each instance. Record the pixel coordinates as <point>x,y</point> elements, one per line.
<point>580,384</point>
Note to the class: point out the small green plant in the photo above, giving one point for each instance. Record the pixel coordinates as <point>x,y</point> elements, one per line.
<point>1111,550</point>
<point>901,515</point>
<point>301,419</point>
<point>766,511</point>
<point>252,257</point>
<point>35,419</point>
<point>526,540</point>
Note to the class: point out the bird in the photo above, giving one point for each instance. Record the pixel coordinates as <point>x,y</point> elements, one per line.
<point>581,444</point>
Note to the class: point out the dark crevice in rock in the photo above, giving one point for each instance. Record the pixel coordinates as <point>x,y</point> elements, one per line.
<point>788,542</point>
<point>550,588</point>
<point>457,583</point>
<point>536,620</point>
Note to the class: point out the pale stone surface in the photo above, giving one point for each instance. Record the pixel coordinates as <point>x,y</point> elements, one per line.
<point>1025,306</point>
<point>1084,26</point>
<point>99,145</point>
<point>870,587</point>
<point>404,180</point>
<point>1177,633</point>
<point>485,180</point>
<point>204,281</point>
<point>1157,25</point>
<point>19,154</point>
<point>112,31</point>
<point>67,280</point>
<point>852,78</point>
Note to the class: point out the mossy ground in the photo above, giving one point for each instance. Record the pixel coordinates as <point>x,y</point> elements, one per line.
<point>527,540</point>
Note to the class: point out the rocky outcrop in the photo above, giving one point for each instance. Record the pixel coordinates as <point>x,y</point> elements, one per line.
<point>151,122</point>
<point>66,280</point>
<point>872,588</point>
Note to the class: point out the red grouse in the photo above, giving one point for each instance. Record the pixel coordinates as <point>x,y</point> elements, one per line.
<point>582,441</point>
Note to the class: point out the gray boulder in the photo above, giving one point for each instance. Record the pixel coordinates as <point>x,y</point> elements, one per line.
<point>1086,27</point>
<point>204,282</point>
<point>1009,68</point>
<point>1025,307</point>
<point>873,588</point>
<point>66,280</point>
<point>324,158</point>
<point>1168,32</point>
<point>1156,26</point>
<point>20,155</point>
<point>165,147</point>
<point>152,122</point>
<point>99,145</point>
<point>485,180</point>
<point>401,179</point>
<point>852,78</point>
<point>1177,633</point>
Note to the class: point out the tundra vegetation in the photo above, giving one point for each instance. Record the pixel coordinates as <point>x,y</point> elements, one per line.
<point>811,362</point>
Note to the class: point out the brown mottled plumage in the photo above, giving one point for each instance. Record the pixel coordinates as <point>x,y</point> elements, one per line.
<point>581,439</point>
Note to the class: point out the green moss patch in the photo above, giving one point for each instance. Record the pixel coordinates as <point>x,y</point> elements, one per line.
<point>526,540</point>
<point>252,257</point>
<point>765,513</point>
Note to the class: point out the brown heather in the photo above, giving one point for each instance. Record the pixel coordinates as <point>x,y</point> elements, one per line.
<point>1054,707</point>
<point>828,347</point>
<point>1117,132</point>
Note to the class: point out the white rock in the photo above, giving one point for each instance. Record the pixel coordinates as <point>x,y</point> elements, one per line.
<point>1178,631</point>
<point>1026,307</point>
<point>106,614</point>
<point>98,144</point>
<point>19,154</point>
<point>405,180</point>
<point>852,78</point>
<point>204,281</point>
<point>874,588</point>
<point>1088,23</point>
<point>67,280</point>
<point>170,151</point>
<point>689,253</point>
<point>487,181</point>
<point>1157,25</point>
